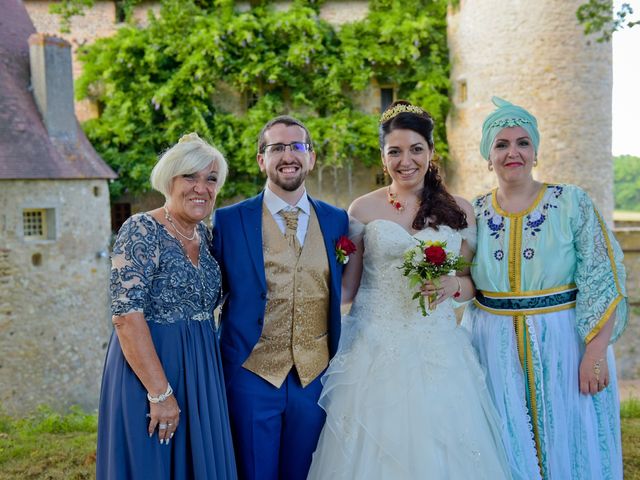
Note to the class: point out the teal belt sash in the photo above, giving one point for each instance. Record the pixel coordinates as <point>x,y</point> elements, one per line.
<point>527,303</point>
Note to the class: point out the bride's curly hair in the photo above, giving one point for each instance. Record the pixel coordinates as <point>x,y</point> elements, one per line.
<point>437,205</point>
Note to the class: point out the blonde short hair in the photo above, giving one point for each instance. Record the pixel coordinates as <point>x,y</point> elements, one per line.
<point>190,155</point>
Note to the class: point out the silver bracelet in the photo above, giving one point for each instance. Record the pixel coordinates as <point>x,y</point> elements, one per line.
<point>162,397</point>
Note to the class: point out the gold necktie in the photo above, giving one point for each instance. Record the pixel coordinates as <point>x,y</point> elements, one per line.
<point>291,228</point>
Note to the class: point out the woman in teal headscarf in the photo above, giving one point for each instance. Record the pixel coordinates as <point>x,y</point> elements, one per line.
<point>551,299</point>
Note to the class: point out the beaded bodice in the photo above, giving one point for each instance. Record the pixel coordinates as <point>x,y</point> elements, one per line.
<point>151,274</point>
<point>383,288</point>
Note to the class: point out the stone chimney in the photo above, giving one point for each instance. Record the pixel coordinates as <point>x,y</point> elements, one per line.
<point>52,82</point>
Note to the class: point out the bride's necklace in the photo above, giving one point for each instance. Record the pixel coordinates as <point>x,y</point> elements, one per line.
<point>392,198</point>
<point>170,220</point>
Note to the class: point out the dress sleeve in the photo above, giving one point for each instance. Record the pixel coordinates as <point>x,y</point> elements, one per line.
<point>356,230</point>
<point>600,274</point>
<point>470,234</point>
<point>133,263</point>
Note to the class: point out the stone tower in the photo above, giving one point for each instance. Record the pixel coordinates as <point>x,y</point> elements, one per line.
<point>533,54</point>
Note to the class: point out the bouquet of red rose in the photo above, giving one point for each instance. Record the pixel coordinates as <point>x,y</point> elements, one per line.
<point>429,261</point>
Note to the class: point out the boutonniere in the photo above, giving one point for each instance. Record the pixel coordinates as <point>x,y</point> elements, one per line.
<point>344,248</point>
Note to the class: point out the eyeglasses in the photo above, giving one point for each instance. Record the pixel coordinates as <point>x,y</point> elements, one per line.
<point>280,148</point>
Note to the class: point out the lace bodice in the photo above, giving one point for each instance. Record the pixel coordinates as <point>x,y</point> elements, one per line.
<point>151,274</point>
<point>384,294</point>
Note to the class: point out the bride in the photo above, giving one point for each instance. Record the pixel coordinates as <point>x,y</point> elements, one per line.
<point>405,396</point>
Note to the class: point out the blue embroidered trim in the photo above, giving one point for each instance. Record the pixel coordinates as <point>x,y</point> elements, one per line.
<point>516,303</point>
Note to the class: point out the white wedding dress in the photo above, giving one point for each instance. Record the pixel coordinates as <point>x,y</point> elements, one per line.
<point>405,396</point>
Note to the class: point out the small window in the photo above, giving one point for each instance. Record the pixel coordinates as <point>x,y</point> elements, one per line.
<point>121,12</point>
<point>38,224</point>
<point>462,91</point>
<point>96,191</point>
<point>36,259</point>
<point>34,223</point>
<point>251,99</point>
<point>386,97</point>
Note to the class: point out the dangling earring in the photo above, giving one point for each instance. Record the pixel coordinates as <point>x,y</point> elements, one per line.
<point>385,180</point>
<point>490,166</point>
<point>535,162</point>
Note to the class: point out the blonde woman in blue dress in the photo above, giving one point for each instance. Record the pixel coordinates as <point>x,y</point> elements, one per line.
<point>550,302</point>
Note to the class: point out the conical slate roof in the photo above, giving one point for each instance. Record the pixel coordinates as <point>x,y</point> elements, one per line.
<point>26,150</point>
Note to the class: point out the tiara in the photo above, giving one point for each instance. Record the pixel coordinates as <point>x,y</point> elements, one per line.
<point>400,108</point>
<point>509,122</point>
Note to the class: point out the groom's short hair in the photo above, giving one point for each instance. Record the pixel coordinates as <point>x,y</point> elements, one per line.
<point>285,120</point>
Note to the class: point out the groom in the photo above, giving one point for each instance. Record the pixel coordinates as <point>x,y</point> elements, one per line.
<point>281,320</point>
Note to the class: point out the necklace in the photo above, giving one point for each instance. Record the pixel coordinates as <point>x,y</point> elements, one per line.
<point>170,220</point>
<point>392,198</point>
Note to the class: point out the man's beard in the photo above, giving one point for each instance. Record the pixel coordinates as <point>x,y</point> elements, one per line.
<point>291,184</point>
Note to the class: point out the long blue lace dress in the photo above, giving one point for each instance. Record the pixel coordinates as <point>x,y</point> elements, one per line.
<point>151,274</point>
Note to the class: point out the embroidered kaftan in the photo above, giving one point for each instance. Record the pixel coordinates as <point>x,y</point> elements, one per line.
<point>548,279</point>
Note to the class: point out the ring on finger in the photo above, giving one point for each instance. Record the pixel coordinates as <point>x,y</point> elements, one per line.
<point>162,426</point>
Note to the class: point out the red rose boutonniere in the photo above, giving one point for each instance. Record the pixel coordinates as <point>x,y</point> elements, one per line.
<point>344,248</point>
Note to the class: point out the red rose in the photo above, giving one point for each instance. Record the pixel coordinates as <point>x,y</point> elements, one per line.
<point>435,254</point>
<point>346,245</point>
<point>344,248</point>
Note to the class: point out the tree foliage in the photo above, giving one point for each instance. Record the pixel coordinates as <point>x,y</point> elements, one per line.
<point>599,18</point>
<point>154,84</point>
<point>626,171</point>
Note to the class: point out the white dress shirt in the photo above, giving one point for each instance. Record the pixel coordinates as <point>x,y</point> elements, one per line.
<point>274,204</point>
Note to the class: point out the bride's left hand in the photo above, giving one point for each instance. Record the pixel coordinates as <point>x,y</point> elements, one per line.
<point>446,288</point>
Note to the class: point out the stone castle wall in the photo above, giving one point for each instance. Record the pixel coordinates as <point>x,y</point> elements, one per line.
<point>54,295</point>
<point>533,54</point>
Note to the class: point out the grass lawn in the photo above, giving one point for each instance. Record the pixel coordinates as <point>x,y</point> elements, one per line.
<point>50,446</point>
<point>630,415</point>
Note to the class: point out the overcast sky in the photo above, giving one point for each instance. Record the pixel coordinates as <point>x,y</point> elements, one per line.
<point>626,89</point>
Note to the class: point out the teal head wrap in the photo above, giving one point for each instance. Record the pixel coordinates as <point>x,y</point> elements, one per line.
<point>507,115</point>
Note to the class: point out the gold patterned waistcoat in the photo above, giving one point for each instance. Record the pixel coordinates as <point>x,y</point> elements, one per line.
<point>295,330</point>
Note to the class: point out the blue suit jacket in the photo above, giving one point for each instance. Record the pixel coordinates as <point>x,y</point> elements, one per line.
<point>237,246</point>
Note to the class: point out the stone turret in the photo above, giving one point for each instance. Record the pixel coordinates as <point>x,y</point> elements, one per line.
<point>533,54</point>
